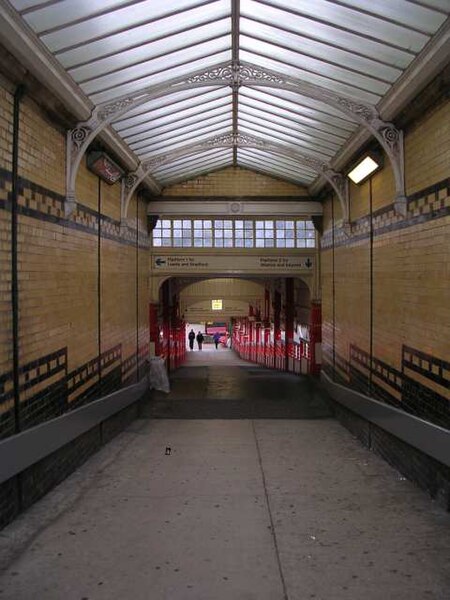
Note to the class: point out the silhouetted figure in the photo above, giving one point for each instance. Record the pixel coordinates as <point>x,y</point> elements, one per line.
<point>191,337</point>
<point>216,338</point>
<point>200,339</point>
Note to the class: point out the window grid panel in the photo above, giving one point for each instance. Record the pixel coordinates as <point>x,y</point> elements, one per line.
<point>202,233</point>
<point>234,233</point>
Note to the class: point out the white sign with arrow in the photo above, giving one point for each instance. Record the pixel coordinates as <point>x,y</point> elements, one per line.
<point>182,263</point>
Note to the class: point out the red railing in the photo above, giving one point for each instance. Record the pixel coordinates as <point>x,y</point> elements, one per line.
<point>294,357</point>
<point>170,344</point>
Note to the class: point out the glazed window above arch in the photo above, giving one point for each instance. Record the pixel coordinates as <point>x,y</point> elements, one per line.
<point>234,233</point>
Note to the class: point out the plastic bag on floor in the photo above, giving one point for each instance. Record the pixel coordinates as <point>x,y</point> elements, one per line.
<point>158,379</point>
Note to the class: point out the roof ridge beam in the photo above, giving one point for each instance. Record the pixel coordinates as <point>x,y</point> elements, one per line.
<point>235,16</point>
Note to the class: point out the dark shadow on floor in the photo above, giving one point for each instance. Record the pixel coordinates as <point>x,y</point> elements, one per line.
<point>236,393</point>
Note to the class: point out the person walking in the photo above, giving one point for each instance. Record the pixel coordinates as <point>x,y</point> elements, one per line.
<point>191,338</point>
<point>200,339</point>
<point>216,338</point>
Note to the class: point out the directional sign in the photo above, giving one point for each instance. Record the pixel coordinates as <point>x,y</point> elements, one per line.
<point>193,263</point>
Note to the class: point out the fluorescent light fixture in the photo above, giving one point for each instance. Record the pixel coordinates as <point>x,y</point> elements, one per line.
<point>216,304</point>
<point>363,169</point>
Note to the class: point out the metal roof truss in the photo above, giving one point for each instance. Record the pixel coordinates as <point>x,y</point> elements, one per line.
<point>278,86</point>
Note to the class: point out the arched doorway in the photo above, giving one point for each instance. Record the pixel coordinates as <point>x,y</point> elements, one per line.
<point>271,320</point>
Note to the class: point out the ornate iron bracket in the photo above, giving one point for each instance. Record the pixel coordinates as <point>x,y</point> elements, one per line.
<point>391,139</point>
<point>340,185</point>
<point>77,142</point>
<point>228,140</point>
<point>235,75</point>
<point>79,138</point>
<point>129,186</point>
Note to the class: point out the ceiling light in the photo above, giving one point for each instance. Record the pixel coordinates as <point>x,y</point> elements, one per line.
<point>365,168</point>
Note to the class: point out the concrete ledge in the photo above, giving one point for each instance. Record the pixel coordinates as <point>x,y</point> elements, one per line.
<point>20,451</point>
<point>430,439</point>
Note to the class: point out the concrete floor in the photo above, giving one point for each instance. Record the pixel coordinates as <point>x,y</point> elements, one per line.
<point>210,356</point>
<point>242,509</point>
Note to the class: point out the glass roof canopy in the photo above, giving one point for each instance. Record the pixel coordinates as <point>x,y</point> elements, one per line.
<point>118,49</point>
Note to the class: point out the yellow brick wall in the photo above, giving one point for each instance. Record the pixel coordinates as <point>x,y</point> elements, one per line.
<point>58,261</point>
<point>141,212</point>
<point>143,273</point>
<point>6,128</point>
<point>86,187</point>
<point>5,292</point>
<point>132,208</point>
<point>235,181</point>
<point>326,268</point>
<point>412,291</point>
<point>42,149</point>
<point>427,149</point>
<point>410,261</point>
<point>411,276</point>
<point>383,192</point>
<point>57,293</point>
<point>352,287</point>
<point>383,187</point>
<point>124,314</point>
<point>6,358</point>
<point>111,200</point>
<point>118,297</point>
<point>337,210</point>
<point>327,215</point>
<point>352,298</point>
<point>359,200</point>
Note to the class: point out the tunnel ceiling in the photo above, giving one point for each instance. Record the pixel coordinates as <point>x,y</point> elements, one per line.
<point>195,86</point>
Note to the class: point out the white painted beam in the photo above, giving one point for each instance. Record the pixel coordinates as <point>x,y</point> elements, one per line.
<point>236,208</point>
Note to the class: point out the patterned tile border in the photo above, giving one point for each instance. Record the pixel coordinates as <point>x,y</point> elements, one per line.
<point>64,390</point>
<point>425,205</point>
<point>426,365</point>
<point>45,205</point>
<point>406,389</point>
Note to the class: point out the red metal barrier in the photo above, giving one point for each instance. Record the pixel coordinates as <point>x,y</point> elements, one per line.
<point>252,343</point>
<point>316,337</point>
<point>168,338</point>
